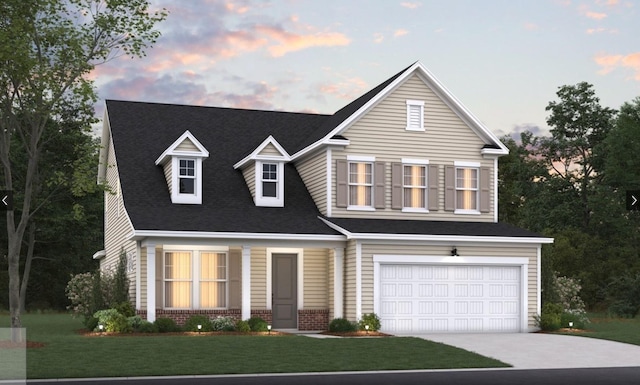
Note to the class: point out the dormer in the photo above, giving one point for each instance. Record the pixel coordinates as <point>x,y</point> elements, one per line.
<point>182,166</point>
<point>263,170</point>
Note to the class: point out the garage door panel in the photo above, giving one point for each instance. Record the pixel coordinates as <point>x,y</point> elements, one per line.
<point>427,298</point>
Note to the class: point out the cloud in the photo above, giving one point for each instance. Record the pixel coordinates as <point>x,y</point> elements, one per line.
<point>400,32</point>
<point>518,129</point>
<point>531,26</point>
<point>613,62</point>
<point>348,89</point>
<point>592,31</point>
<point>291,42</point>
<point>595,15</point>
<point>378,38</point>
<point>409,5</point>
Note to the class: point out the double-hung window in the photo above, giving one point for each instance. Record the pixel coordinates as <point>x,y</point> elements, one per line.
<point>360,184</point>
<point>270,180</point>
<point>467,189</point>
<point>187,176</point>
<point>195,279</point>
<point>414,187</point>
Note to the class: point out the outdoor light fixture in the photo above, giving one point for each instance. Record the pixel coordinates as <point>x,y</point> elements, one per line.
<point>199,328</point>
<point>269,328</point>
<point>454,252</point>
<point>366,327</point>
<point>101,327</point>
<point>570,324</point>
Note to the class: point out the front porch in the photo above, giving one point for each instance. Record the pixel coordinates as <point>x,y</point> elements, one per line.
<point>289,287</point>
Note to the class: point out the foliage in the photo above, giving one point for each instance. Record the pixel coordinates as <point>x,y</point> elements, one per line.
<point>120,288</point>
<point>342,325</point>
<point>125,308</point>
<point>113,321</point>
<point>220,323</point>
<point>257,324</point>
<point>191,325</point>
<point>166,325</point>
<point>147,327</point>
<point>243,326</point>
<point>80,291</point>
<point>624,295</point>
<point>550,319</point>
<point>370,319</point>
<point>134,322</point>
<point>568,290</point>
<point>578,320</point>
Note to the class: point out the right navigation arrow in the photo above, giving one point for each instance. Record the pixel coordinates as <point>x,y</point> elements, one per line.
<point>633,197</point>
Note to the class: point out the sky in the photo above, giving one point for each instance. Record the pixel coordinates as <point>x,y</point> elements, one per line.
<point>503,59</point>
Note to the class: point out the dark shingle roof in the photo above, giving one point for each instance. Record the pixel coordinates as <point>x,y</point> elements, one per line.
<point>142,131</point>
<point>414,227</point>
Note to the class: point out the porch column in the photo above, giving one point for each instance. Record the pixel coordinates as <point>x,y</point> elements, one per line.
<point>338,282</point>
<point>246,282</point>
<point>151,282</point>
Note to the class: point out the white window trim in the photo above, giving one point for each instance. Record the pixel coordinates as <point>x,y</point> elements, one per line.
<point>473,165</point>
<point>414,103</point>
<point>360,159</point>
<point>278,200</point>
<point>416,162</point>
<point>176,196</point>
<point>195,275</point>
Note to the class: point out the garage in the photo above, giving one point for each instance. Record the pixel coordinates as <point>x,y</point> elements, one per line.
<point>446,297</point>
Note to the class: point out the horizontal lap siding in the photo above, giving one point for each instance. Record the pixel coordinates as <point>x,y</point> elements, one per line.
<point>117,225</point>
<point>381,133</point>
<point>493,250</point>
<point>249,174</point>
<point>187,145</point>
<point>315,279</point>
<point>314,175</point>
<point>270,149</point>
<point>258,278</point>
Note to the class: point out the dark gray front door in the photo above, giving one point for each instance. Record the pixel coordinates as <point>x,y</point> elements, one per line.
<point>285,289</point>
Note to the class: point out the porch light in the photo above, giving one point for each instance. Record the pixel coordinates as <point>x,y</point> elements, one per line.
<point>269,328</point>
<point>454,252</point>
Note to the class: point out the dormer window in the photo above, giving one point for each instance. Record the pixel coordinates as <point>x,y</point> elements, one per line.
<point>182,166</point>
<point>269,184</point>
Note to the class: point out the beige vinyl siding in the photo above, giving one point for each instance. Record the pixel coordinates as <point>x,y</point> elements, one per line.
<point>117,225</point>
<point>258,278</point>
<point>350,281</point>
<point>315,279</point>
<point>249,174</point>
<point>187,145</point>
<point>489,250</point>
<point>314,175</point>
<point>270,149</point>
<point>168,175</point>
<point>382,133</point>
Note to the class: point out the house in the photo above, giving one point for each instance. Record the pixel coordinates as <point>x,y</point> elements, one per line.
<point>387,206</point>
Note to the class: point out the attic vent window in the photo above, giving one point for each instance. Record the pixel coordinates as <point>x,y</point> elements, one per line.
<point>415,115</point>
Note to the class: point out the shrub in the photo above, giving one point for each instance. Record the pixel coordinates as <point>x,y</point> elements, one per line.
<point>113,321</point>
<point>147,327</point>
<point>91,323</point>
<point>166,325</point>
<point>624,294</point>
<point>223,324</point>
<point>342,325</point>
<point>550,319</point>
<point>134,322</point>
<point>577,319</point>
<point>120,286</point>
<point>257,324</point>
<point>370,319</point>
<point>80,291</point>
<point>568,292</point>
<point>243,326</point>
<point>192,323</point>
<point>125,308</point>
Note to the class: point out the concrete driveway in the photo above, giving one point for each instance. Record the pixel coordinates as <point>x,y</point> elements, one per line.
<point>544,351</point>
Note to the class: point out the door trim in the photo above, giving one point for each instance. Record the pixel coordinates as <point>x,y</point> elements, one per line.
<point>300,261</point>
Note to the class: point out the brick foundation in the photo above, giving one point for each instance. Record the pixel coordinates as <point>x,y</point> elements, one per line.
<point>307,319</point>
<point>313,319</point>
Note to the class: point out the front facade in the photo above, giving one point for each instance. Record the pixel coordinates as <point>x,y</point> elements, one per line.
<point>387,206</point>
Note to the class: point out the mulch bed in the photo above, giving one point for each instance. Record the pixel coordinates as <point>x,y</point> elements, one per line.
<point>359,333</point>
<point>195,334</point>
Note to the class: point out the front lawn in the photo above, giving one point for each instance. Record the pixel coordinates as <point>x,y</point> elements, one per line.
<point>614,329</point>
<point>69,354</point>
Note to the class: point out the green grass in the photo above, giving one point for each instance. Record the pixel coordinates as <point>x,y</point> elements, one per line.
<point>614,329</point>
<point>68,354</point>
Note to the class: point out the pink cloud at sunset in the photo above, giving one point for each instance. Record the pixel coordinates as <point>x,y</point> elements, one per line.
<point>409,5</point>
<point>290,42</point>
<point>348,89</point>
<point>400,32</point>
<point>612,62</point>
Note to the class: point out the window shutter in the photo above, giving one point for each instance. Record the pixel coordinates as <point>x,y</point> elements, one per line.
<point>485,183</point>
<point>449,188</point>
<point>379,182</point>
<point>342,186</point>
<point>396,186</point>
<point>433,187</point>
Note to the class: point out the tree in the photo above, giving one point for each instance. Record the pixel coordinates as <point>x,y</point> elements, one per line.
<point>579,125</point>
<point>48,49</point>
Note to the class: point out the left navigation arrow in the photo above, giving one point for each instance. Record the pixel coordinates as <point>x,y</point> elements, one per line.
<point>6,200</point>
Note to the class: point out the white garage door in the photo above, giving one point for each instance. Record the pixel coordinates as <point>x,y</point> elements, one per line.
<point>442,298</point>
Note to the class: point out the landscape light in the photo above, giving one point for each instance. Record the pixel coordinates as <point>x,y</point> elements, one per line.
<point>366,328</point>
<point>199,328</point>
<point>269,328</point>
<point>101,327</point>
<point>571,324</point>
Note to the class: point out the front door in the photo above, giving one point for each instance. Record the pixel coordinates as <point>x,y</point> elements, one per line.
<point>285,290</point>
